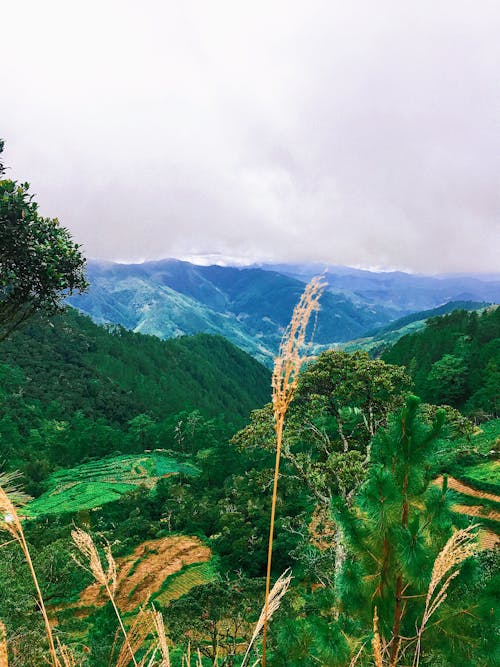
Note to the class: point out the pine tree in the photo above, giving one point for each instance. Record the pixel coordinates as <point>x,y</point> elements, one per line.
<point>398,525</point>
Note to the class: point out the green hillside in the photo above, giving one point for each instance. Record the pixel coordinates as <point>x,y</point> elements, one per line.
<point>455,360</point>
<point>94,484</point>
<point>72,390</point>
<point>378,340</point>
<point>114,373</point>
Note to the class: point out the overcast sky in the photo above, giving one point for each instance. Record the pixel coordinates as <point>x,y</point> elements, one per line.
<point>352,132</point>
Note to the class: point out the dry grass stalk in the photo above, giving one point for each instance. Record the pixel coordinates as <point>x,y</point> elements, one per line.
<point>108,578</point>
<point>278,591</point>
<point>285,379</point>
<point>141,627</point>
<point>376,643</point>
<point>461,545</point>
<point>67,657</point>
<point>162,638</point>
<point>290,359</point>
<point>4,657</point>
<point>11,499</point>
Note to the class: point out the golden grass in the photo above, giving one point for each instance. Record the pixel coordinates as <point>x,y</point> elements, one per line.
<point>376,642</point>
<point>461,545</point>
<point>136,637</point>
<point>285,380</point>
<point>273,602</point>
<point>12,499</point>
<point>106,578</point>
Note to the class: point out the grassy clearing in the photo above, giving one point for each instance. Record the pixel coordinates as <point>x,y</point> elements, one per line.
<point>93,484</point>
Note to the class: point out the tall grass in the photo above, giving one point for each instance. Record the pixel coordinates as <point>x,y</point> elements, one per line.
<point>285,380</point>
<point>12,498</point>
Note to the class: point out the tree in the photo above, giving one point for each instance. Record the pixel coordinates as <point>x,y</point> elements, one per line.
<point>447,380</point>
<point>341,402</point>
<point>395,533</point>
<point>217,618</point>
<point>39,262</point>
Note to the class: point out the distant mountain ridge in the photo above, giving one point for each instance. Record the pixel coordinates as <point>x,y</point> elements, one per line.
<point>251,306</point>
<point>402,291</point>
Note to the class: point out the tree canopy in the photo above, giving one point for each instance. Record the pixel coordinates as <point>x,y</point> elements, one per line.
<point>40,264</point>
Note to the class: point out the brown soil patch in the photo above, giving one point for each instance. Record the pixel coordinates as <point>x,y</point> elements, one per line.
<point>142,572</point>
<point>467,490</point>
<point>480,511</point>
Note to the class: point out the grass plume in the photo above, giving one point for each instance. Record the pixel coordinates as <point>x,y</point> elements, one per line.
<point>277,592</point>
<point>285,380</point>
<point>106,578</point>
<point>11,500</point>
<point>460,546</point>
<point>4,657</point>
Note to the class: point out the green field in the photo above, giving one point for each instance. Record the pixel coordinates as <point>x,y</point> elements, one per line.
<point>182,582</point>
<point>93,484</point>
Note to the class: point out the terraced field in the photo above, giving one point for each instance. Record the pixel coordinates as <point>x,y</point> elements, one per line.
<point>162,569</point>
<point>177,585</point>
<point>476,489</point>
<point>93,484</point>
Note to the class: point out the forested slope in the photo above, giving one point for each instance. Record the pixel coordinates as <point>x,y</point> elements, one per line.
<point>455,360</point>
<point>72,390</point>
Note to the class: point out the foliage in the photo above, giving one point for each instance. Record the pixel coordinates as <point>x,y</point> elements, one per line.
<point>342,399</point>
<point>39,262</point>
<point>455,360</point>
<point>72,391</point>
<point>216,618</point>
<point>94,484</point>
<point>394,532</point>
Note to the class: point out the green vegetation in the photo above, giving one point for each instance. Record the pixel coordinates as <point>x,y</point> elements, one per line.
<point>93,484</point>
<point>144,443</point>
<point>39,262</point>
<point>179,584</point>
<point>486,472</point>
<point>455,360</point>
<point>72,390</point>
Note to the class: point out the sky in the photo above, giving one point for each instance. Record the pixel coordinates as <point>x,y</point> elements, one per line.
<point>364,133</point>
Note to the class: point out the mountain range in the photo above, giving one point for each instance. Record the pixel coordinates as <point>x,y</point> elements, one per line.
<point>251,306</point>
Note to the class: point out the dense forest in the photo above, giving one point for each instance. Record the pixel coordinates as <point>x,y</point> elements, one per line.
<point>72,390</point>
<point>455,360</point>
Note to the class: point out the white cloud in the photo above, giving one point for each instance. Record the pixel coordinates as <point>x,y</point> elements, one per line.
<point>364,133</point>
